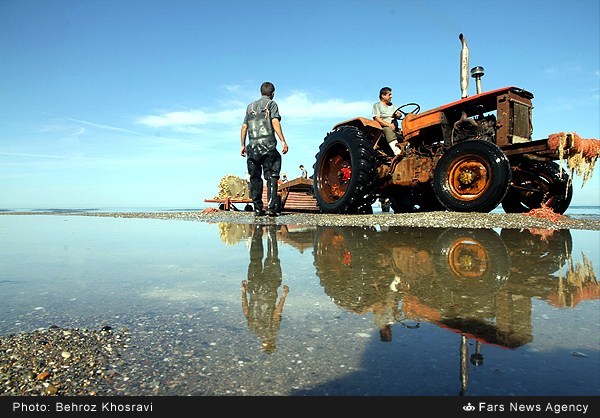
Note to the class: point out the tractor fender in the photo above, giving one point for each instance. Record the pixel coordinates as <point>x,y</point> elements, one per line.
<point>360,123</point>
<point>371,128</point>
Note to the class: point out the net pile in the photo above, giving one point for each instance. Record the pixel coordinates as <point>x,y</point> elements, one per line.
<point>546,213</point>
<point>232,187</point>
<point>581,154</point>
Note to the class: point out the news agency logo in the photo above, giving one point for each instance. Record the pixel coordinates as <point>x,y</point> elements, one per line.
<point>468,407</point>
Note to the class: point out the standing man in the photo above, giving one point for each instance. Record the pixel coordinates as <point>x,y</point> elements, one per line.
<point>384,113</point>
<point>261,123</point>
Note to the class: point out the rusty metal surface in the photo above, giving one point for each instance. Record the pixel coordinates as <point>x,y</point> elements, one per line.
<point>410,171</point>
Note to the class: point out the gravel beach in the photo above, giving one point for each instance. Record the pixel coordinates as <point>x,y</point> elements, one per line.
<point>70,362</point>
<point>57,361</point>
<point>424,219</point>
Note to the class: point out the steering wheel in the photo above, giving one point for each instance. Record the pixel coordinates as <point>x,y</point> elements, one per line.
<point>415,108</point>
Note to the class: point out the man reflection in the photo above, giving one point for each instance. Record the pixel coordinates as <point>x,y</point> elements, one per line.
<point>259,292</point>
<point>386,311</point>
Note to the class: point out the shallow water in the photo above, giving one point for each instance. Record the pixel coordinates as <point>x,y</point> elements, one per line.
<point>370,311</point>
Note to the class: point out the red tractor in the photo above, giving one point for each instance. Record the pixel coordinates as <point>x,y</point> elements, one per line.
<point>470,155</point>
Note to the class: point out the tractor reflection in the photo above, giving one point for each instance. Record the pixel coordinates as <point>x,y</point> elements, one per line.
<point>475,282</point>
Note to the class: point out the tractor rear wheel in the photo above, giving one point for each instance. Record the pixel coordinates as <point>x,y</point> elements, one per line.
<point>472,176</point>
<point>345,172</point>
<point>537,184</point>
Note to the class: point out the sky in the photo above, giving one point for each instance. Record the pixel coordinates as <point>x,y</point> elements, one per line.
<point>139,103</point>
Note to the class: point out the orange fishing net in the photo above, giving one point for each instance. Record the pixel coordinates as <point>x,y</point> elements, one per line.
<point>544,234</point>
<point>545,212</point>
<point>581,153</point>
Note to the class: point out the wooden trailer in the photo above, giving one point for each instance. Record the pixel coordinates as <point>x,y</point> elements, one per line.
<point>296,196</point>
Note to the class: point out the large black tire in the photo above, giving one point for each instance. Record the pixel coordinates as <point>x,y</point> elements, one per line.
<point>472,176</point>
<point>535,184</point>
<point>345,172</point>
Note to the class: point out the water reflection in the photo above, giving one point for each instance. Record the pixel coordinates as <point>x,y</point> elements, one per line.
<point>472,281</point>
<point>260,291</point>
<point>488,312</point>
<point>476,282</point>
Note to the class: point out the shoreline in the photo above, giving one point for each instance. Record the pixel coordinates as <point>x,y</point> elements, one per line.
<point>473,220</point>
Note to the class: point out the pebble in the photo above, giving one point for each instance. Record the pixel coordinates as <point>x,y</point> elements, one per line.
<point>29,362</point>
<point>418,219</point>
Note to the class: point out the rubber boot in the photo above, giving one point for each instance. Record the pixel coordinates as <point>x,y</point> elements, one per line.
<point>256,189</point>
<point>272,187</point>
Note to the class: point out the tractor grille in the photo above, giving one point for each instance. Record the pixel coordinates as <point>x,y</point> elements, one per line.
<point>521,126</point>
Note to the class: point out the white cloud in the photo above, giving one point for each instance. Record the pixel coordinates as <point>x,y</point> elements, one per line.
<point>298,105</point>
<point>194,117</point>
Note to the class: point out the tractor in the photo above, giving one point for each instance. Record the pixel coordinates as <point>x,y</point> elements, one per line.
<point>471,155</point>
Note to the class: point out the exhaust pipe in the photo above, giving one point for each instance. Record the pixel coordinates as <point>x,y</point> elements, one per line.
<point>464,67</point>
<point>477,73</point>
